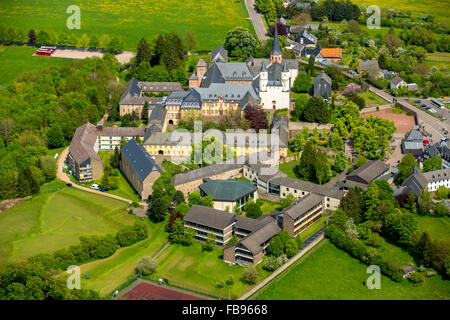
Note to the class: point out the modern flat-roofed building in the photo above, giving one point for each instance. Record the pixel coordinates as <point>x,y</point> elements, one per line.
<point>302,213</point>
<point>228,193</point>
<point>139,168</point>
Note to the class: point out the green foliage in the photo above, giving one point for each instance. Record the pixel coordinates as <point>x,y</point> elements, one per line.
<point>252,210</point>
<point>209,243</point>
<point>240,43</point>
<point>287,201</point>
<point>250,274</point>
<point>132,234</point>
<point>441,193</point>
<point>340,162</point>
<point>360,160</point>
<point>399,226</point>
<point>147,265</point>
<point>272,263</point>
<point>297,143</point>
<point>317,111</point>
<point>302,83</point>
<point>432,164</point>
<point>313,165</point>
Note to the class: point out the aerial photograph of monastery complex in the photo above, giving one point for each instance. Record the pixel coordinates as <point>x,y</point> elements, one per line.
<point>244,150</point>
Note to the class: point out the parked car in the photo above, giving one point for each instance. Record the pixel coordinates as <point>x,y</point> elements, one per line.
<point>417,101</point>
<point>102,190</point>
<point>69,184</point>
<point>423,105</point>
<point>95,186</point>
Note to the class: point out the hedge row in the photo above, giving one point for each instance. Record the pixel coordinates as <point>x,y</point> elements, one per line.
<point>355,247</point>
<point>92,248</point>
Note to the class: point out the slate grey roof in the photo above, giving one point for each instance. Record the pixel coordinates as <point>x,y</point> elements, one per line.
<point>254,65</point>
<point>193,76</point>
<point>311,26</point>
<point>314,52</point>
<point>220,72</point>
<point>82,145</point>
<point>219,54</point>
<point>160,86</point>
<point>204,172</point>
<point>369,171</point>
<point>302,205</point>
<point>322,76</point>
<point>396,80</point>
<point>254,241</point>
<point>209,217</point>
<point>201,63</point>
<point>437,175</point>
<point>139,159</point>
<point>366,64</point>
<point>133,89</point>
<point>307,36</point>
<point>415,183</point>
<point>227,190</point>
<point>121,131</point>
<point>276,44</point>
<point>414,135</point>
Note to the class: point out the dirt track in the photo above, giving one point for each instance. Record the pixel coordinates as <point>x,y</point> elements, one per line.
<point>123,57</point>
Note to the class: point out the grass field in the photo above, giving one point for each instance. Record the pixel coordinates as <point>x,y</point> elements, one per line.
<point>437,227</point>
<point>438,59</point>
<point>420,8</point>
<point>194,267</point>
<point>56,219</point>
<point>330,273</point>
<point>16,59</point>
<point>133,19</point>
<point>288,168</point>
<point>107,274</point>
<point>269,206</point>
<point>372,98</point>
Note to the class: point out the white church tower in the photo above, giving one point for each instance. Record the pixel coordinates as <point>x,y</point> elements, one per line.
<point>285,77</point>
<point>263,78</point>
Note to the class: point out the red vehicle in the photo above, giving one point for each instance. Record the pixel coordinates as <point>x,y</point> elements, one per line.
<point>43,52</point>
<point>425,142</point>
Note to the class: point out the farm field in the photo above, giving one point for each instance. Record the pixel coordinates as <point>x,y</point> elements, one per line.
<point>438,8</point>
<point>330,273</point>
<point>55,219</point>
<point>107,274</point>
<point>438,59</point>
<point>16,59</point>
<point>210,20</point>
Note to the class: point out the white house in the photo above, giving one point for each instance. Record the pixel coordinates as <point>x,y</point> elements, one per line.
<point>397,82</point>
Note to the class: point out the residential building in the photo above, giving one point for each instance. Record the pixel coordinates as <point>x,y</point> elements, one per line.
<point>228,193</point>
<point>83,160</point>
<point>368,172</point>
<point>302,214</point>
<point>397,82</point>
<point>139,168</point>
<point>413,142</point>
<point>430,181</point>
<point>306,39</point>
<point>365,65</point>
<point>322,85</point>
<point>331,54</point>
<point>439,149</point>
<point>135,95</point>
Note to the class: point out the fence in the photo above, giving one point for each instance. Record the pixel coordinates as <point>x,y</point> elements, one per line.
<point>180,285</point>
<point>124,285</point>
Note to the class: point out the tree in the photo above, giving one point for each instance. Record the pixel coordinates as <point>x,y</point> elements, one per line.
<point>115,159</point>
<point>177,234</point>
<point>360,161</point>
<point>173,217</point>
<point>306,167</point>
<point>302,83</point>
<point>302,19</point>
<point>209,243</point>
<point>178,197</point>
<point>115,45</point>
<point>425,202</point>
<point>147,265</point>
<point>354,27</point>
<point>297,143</point>
<point>405,167</point>
<point>240,43</point>
<point>256,116</point>
<point>321,167</point>
<point>191,40</point>
<point>287,201</point>
<point>340,162</point>
<point>441,210</point>
<point>252,210</point>
<point>32,36</point>
<point>27,184</point>
<point>441,193</point>
<point>55,137</point>
<point>317,111</point>
<point>399,226</point>
<point>290,248</point>
<point>350,228</point>
<point>276,246</point>
<point>351,204</point>
<point>159,206</point>
<point>432,164</point>
<point>143,53</point>
<point>251,274</point>
<point>391,41</point>
<point>311,61</point>
<point>94,42</point>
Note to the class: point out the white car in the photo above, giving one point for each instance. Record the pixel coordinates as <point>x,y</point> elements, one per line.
<point>95,187</point>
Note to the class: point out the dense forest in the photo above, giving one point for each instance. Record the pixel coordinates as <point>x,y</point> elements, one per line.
<point>42,109</point>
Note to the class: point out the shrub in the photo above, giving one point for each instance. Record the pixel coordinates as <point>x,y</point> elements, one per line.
<point>147,265</point>
<point>251,274</point>
<point>375,240</point>
<point>132,234</point>
<point>220,284</point>
<point>417,277</point>
<point>230,281</point>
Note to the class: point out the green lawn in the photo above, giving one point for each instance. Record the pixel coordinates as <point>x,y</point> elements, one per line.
<point>16,59</point>
<point>437,227</point>
<point>269,206</point>
<point>194,267</point>
<point>288,168</point>
<point>372,98</point>
<point>56,219</point>
<point>133,19</point>
<point>107,274</point>
<point>319,224</point>
<point>330,273</point>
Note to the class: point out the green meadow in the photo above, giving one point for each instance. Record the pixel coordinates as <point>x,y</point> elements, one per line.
<point>132,19</point>
<point>56,219</point>
<point>16,59</point>
<point>332,274</point>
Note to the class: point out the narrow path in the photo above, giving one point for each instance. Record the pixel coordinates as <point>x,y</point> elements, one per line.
<point>310,243</point>
<point>61,175</point>
<point>162,249</point>
<point>257,20</point>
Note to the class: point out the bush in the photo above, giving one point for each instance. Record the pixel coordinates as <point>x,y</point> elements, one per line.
<point>417,277</point>
<point>115,172</point>
<point>220,284</point>
<point>147,265</point>
<point>375,240</point>
<point>251,274</point>
<point>132,234</point>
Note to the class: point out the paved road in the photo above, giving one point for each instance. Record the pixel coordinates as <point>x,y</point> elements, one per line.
<point>257,20</point>
<point>61,175</point>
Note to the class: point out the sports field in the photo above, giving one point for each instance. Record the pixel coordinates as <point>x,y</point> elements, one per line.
<point>438,8</point>
<point>210,20</point>
<point>56,220</point>
<point>16,59</point>
<point>330,273</point>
